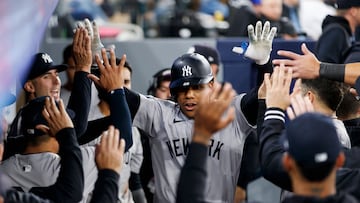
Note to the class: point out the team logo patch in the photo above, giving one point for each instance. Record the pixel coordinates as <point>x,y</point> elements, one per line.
<point>46,58</point>
<point>186,71</point>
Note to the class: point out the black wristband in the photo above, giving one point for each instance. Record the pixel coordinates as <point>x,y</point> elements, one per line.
<point>332,71</point>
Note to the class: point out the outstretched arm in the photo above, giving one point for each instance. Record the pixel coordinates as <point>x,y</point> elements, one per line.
<point>307,66</point>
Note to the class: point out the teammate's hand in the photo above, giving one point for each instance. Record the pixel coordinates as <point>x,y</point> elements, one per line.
<point>278,87</point>
<point>56,117</point>
<point>213,112</point>
<point>109,153</point>
<point>304,66</point>
<point>260,43</point>
<point>111,74</point>
<point>299,105</point>
<point>82,50</point>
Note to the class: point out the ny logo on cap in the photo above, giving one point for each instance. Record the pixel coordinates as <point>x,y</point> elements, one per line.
<point>46,58</point>
<point>186,71</point>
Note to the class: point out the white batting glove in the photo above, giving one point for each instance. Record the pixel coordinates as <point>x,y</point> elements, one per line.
<point>93,31</point>
<point>260,43</point>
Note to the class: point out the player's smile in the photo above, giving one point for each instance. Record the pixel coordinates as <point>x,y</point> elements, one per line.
<point>189,106</point>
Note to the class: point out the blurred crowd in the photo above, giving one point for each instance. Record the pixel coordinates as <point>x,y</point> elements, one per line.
<point>295,19</point>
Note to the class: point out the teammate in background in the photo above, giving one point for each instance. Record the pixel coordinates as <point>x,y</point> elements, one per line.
<point>160,84</point>
<point>312,172</point>
<point>170,124</point>
<point>130,187</point>
<point>338,32</point>
<point>68,59</point>
<point>211,55</point>
<point>159,88</point>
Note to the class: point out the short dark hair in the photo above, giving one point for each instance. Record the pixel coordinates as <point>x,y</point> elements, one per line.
<point>68,53</point>
<point>348,106</point>
<point>318,173</point>
<point>329,92</point>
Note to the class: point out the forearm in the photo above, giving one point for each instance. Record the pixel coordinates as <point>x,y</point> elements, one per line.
<point>249,106</point>
<point>271,151</point>
<point>352,73</point>
<point>120,116</point>
<point>347,73</point>
<point>80,100</point>
<point>193,175</point>
<point>106,187</point>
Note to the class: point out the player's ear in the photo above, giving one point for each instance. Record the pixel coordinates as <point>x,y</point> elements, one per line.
<point>211,84</point>
<point>286,162</point>
<point>311,96</point>
<point>340,160</point>
<point>29,86</point>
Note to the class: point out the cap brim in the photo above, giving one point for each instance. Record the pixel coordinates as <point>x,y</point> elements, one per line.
<point>60,67</point>
<point>187,82</point>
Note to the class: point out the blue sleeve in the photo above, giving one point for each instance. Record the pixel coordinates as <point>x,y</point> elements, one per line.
<point>106,187</point>
<point>120,115</point>
<point>79,101</point>
<point>271,151</point>
<point>193,175</point>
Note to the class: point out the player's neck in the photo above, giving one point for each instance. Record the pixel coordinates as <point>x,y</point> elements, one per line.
<point>319,189</point>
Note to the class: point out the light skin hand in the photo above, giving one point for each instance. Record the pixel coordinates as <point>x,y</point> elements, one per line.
<point>299,105</point>
<point>278,87</point>
<point>109,153</point>
<point>111,75</point>
<point>56,117</point>
<point>304,66</point>
<point>209,117</point>
<point>82,50</point>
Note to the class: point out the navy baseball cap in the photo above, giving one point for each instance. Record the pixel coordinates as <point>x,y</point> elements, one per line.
<point>346,4</point>
<point>28,118</point>
<point>211,54</point>
<point>42,63</point>
<point>311,139</point>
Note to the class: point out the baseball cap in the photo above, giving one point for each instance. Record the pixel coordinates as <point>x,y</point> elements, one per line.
<point>311,139</point>
<point>163,74</point>
<point>211,54</point>
<point>42,62</point>
<point>345,4</point>
<point>28,118</point>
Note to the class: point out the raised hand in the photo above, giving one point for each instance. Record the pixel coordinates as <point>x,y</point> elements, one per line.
<point>214,112</point>
<point>111,74</point>
<point>82,50</point>
<point>56,117</point>
<point>109,153</point>
<point>299,105</point>
<point>278,87</point>
<point>304,66</point>
<point>260,43</point>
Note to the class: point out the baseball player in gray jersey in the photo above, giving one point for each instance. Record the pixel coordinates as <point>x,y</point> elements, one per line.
<point>170,124</point>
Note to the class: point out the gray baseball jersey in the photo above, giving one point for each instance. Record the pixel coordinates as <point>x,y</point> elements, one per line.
<point>170,132</point>
<point>132,159</point>
<point>42,169</point>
